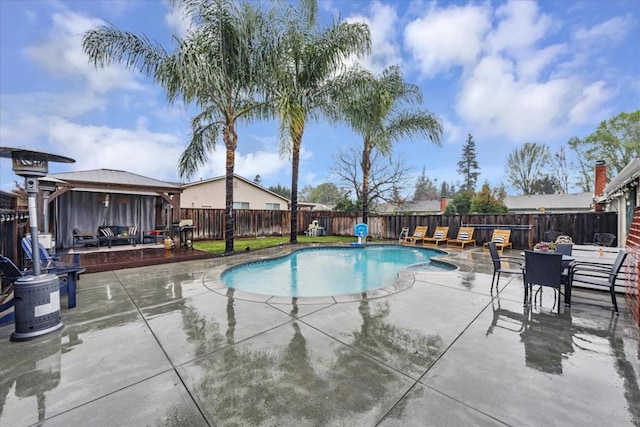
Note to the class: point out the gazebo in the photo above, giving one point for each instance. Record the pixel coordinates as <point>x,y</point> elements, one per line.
<point>88,199</point>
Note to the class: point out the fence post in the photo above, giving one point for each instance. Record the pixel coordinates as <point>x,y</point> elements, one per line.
<point>530,231</point>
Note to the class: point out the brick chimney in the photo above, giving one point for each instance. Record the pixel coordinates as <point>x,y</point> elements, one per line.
<point>601,182</point>
<point>443,204</point>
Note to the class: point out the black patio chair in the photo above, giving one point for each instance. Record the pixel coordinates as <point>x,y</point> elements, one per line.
<point>543,269</point>
<point>598,275</point>
<point>604,239</point>
<point>551,235</point>
<point>564,249</point>
<point>499,267</point>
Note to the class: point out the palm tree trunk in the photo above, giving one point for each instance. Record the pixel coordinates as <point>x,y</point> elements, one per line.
<point>365,164</point>
<point>230,141</point>
<point>295,163</point>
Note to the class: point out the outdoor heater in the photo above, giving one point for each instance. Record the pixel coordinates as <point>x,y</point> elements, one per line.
<point>37,295</point>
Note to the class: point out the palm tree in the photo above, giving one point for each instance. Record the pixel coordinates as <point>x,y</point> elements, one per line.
<point>217,65</point>
<point>309,76</point>
<point>384,112</point>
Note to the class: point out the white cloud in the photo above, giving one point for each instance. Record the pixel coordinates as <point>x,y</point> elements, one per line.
<point>452,132</point>
<point>590,103</point>
<point>65,104</point>
<point>612,31</point>
<point>139,151</point>
<point>530,67</point>
<point>493,100</point>
<point>445,38</point>
<point>382,20</point>
<point>520,27</point>
<point>264,163</point>
<point>177,21</point>
<point>512,83</point>
<point>61,55</point>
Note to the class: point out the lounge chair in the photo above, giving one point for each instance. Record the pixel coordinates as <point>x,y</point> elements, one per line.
<point>440,235</point>
<point>465,237</point>
<point>46,260</point>
<point>419,234</point>
<point>501,239</point>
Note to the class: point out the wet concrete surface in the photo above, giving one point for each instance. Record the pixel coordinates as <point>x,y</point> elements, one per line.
<point>170,345</point>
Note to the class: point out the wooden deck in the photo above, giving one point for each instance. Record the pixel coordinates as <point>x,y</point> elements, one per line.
<point>106,260</point>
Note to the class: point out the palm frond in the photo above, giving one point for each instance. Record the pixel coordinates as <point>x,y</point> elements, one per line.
<point>106,45</point>
<point>204,133</point>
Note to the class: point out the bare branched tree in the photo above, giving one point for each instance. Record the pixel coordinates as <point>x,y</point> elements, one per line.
<point>387,177</point>
<point>561,169</point>
<point>526,165</point>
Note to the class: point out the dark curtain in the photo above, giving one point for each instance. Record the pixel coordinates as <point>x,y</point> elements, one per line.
<point>87,211</point>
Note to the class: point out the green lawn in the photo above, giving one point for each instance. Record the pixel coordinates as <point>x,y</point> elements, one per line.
<point>217,246</point>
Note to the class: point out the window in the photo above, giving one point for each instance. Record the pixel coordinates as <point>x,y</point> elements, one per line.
<point>272,206</point>
<point>240,205</point>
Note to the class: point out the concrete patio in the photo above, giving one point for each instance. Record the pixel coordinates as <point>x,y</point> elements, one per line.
<point>169,345</point>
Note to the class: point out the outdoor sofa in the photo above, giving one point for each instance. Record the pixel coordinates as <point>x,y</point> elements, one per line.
<point>118,234</point>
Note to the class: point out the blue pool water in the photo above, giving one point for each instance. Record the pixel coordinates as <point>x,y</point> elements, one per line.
<point>330,271</point>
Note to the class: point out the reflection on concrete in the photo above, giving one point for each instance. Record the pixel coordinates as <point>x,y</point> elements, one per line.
<point>39,376</point>
<point>402,349</point>
<point>286,380</point>
<point>468,279</point>
<point>549,338</point>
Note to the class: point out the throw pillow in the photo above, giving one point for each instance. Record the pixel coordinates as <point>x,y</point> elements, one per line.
<point>106,232</point>
<point>463,236</point>
<point>499,239</point>
<point>438,235</point>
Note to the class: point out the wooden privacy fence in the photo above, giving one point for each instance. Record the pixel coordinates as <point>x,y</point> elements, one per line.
<point>527,229</point>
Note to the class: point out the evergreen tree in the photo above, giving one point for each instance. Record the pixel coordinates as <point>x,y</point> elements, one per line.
<point>488,200</point>
<point>281,190</point>
<point>468,166</point>
<point>447,189</point>
<point>460,205</point>
<point>444,189</point>
<point>258,179</point>
<point>425,188</point>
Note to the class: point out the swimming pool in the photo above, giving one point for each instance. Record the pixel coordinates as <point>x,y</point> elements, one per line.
<point>317,272</point>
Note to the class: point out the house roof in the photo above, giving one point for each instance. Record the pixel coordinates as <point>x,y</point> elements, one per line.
<point>627,175</point>
<point>114,178</point>
<point>314,206</point>
<point>556,202</point>
<point>432,206</point>
<point>221,178</point>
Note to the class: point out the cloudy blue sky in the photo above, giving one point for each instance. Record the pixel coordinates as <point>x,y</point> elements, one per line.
<point>505,72</point>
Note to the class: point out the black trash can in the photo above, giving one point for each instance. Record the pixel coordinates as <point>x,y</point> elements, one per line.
<point>37,306</point>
